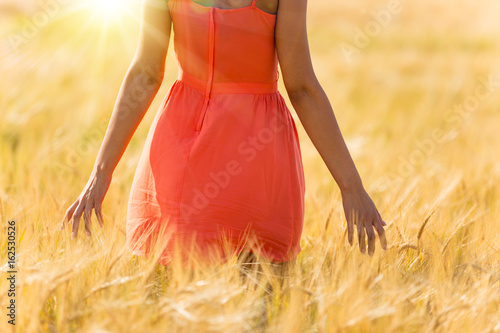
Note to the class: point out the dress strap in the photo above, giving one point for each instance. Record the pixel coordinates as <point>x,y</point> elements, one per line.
<point>254,2</point>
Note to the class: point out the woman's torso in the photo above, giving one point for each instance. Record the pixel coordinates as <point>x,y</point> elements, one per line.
<point>220,46</point>
<point>269,6</point>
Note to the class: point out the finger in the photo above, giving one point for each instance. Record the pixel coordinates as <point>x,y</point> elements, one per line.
<point>380,218</point>
<point>76,220</point>
<point>87,214</point>
<point>361,238</point>
<point>69,214</point>
<point>350,230</point>
<point>98,214</point>
<point>381,234</point>
<point>370,233</point>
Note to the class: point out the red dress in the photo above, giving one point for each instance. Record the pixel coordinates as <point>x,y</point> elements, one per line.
<point>221,168</point>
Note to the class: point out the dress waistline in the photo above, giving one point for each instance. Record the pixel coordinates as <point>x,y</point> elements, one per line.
<point>229,87</point>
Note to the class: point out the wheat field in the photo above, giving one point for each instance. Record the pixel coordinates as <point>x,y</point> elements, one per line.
<point>415,86</point>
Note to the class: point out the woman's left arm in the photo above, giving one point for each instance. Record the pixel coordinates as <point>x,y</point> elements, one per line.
<point>316,115</point>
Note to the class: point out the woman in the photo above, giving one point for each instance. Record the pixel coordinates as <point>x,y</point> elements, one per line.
<point>222,158</point>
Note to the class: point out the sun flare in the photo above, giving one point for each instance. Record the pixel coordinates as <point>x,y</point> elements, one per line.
<point>111,8</point>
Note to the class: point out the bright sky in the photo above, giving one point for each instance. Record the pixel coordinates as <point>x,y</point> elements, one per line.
<point>111,8</point>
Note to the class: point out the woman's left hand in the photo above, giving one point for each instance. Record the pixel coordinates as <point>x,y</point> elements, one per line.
<point>360,210</point>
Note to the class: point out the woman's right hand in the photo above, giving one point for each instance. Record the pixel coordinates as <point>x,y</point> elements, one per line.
<point>360,211</point>
<point>91,197</point>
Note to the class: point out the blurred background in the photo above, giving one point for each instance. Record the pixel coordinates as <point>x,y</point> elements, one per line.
<point>415,86</point>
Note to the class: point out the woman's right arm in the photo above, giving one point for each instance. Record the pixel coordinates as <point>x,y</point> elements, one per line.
<point>318,119</point>
<point>139,88</point>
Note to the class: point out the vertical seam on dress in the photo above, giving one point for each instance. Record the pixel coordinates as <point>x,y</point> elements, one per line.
<point>186,165</point>
<point>211,56</point>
